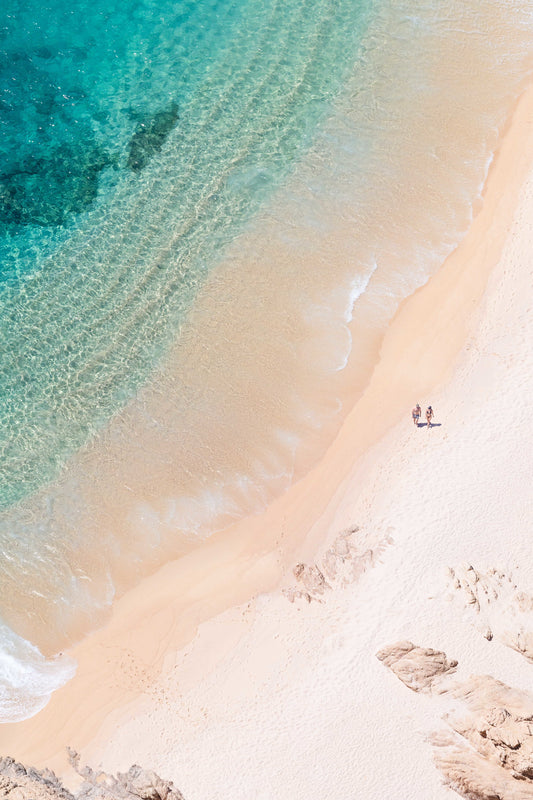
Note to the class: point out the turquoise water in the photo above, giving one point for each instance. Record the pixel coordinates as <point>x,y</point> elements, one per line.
<point>209,212</point>
<point>135,143</point>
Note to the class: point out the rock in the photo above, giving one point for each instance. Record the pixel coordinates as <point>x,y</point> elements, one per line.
<point>498,723</point>
<point>487,752</point>
<point>501,610</point>
<point>342,564</point>
<point>312,578</point>
<point>25,783</point>
<point>134,784</point>
<point>474,777</point>
<point>417,667</point>
<point>18,782</point>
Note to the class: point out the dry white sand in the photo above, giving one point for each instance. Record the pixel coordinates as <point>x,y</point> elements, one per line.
<point>286,700</point>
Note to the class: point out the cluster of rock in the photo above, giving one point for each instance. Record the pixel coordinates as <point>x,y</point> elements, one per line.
<point>417,667</point>
<point>501,610</point>
<point>18,782</point>
<point>341,564</point>
<point>487,751</point>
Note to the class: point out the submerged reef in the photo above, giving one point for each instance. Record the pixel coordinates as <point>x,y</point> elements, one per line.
<point>150,136</point>
<point>45,189</point>
<point>49,156</point>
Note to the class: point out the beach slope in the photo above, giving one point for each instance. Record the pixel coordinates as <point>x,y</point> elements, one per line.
<point>248,669</point>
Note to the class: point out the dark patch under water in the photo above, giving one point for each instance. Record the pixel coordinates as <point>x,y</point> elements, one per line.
<point>150,136</point>
<point>49,157</point>
<point>45,189</point>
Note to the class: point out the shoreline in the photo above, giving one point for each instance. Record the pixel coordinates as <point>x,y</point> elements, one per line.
<point>123,662</point>
<point>255,385</point>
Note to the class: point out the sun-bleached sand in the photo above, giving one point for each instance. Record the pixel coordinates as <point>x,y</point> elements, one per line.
<point>219,673</point>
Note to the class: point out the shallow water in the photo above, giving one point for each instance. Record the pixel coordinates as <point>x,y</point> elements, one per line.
<point>210,213</point>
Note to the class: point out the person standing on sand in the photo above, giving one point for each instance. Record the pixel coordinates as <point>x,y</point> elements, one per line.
<point>429,415</point>
<point>416,414</point>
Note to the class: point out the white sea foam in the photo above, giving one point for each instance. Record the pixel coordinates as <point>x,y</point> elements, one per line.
<point>358,287</point>
<point>27,678</point>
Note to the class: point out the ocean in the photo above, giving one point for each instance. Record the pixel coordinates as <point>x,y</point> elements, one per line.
<point>209,213</point>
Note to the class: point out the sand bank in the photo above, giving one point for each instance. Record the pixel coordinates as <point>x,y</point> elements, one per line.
<point>272,698</point>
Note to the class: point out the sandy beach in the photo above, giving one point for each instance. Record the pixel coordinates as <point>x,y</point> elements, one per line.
<point>235,675</point>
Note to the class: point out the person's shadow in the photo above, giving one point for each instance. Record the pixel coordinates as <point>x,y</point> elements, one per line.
<point>429,425</point>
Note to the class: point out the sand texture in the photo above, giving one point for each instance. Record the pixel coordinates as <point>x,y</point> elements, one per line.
<point>248,669</point>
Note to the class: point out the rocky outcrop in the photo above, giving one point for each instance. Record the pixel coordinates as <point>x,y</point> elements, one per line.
<point>473,776</point>
<point>500,609</point>
<point>491,753</point>
<point>497,721</point>
<point>26,783</point>
<point>487,751</point>
<point>341,564</point>
<point>418,667</point>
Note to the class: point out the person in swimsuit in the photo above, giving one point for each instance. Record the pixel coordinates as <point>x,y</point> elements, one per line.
<point>416,414</point>
<point>429,415</point>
